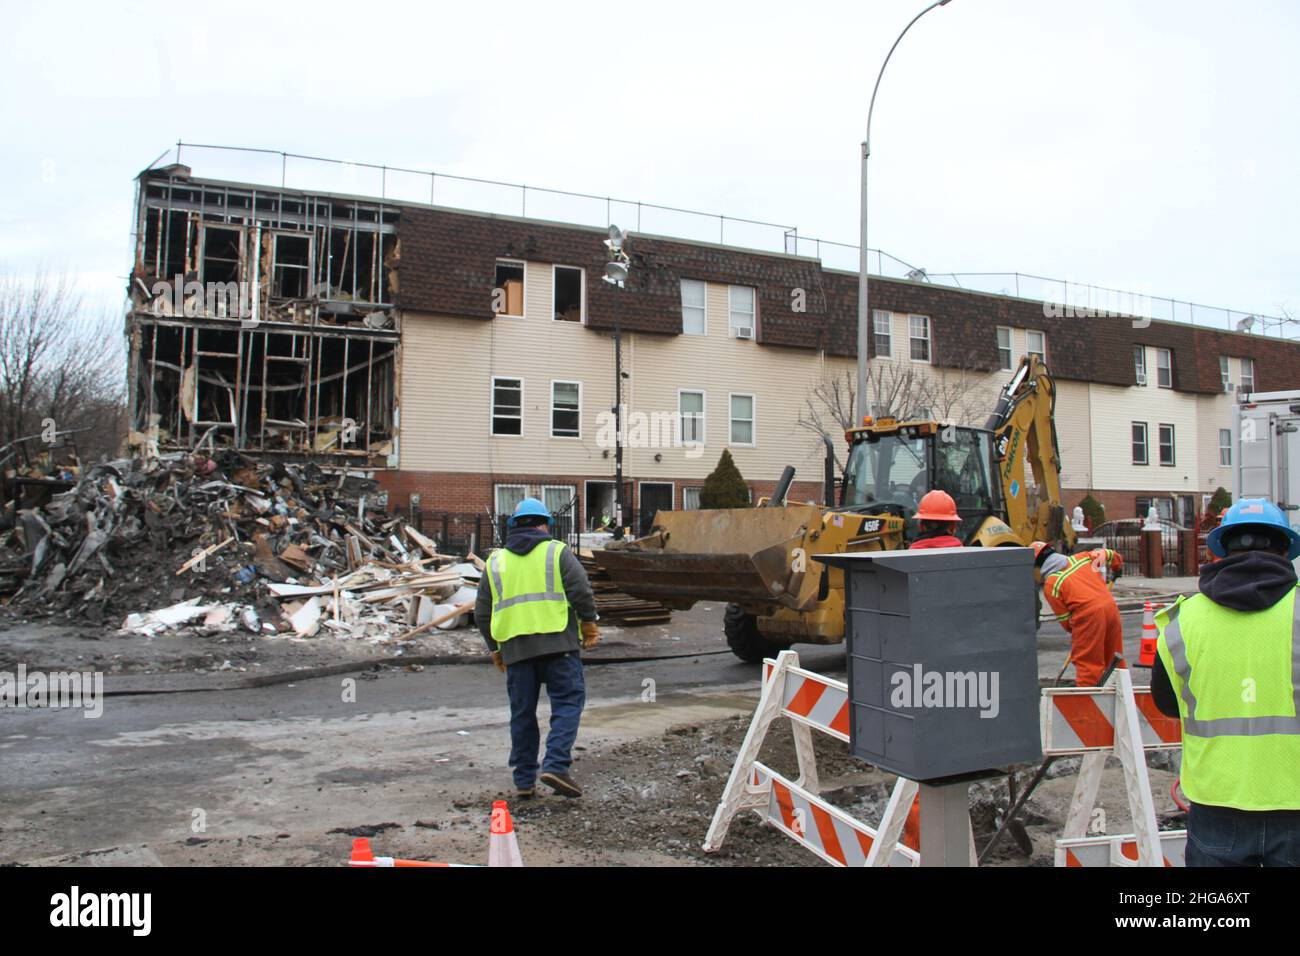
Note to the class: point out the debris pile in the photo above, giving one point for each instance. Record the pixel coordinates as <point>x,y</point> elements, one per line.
<point>228,542</point>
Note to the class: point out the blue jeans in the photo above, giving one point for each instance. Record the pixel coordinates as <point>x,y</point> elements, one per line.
<point>562,675</point>
<point>1225,836</point>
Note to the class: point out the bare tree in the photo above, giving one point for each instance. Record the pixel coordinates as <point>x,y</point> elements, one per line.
<point>60,363</point>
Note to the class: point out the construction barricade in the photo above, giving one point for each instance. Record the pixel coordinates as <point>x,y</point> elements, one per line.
<point>811,702</point>
<point>1097,722</point>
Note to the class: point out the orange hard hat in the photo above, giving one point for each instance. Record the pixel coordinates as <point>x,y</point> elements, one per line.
<point>1038,546</point>
<point>937,506</point>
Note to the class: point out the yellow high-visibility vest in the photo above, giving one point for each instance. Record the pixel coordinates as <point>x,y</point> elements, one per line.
<point>1237,677</point>
<point>527,592</point>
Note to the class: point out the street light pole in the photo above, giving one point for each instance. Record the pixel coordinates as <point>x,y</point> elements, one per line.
<point>616,273</point>
<point>864,310</point>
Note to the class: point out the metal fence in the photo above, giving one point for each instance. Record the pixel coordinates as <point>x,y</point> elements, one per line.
<point>462,532</point>
<point>1124,535</point>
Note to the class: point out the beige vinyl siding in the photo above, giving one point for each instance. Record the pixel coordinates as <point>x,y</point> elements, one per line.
<point>1113,408</point>
<point>1213,412</point>
<point>779,379</point>
<point>447,370</point>
<point>1074,434</point>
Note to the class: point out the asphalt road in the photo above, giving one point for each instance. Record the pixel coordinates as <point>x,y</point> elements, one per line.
<point>264,774</point>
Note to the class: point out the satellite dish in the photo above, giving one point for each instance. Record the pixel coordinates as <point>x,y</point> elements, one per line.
<point>1246,324</point>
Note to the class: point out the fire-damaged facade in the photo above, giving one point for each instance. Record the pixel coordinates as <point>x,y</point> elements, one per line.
<point>263,320</point>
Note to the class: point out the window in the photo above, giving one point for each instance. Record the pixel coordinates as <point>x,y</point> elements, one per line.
<point>508,289</point>
<point>691,499</point>
<point>1247,375</point>
<point>558,498</point>
<point>566,409</point>
<point>1004,348</point>
<point>918,327</point>
<point>291,272</point>
<point>880,332</point>
<point>508,498</point>
<point>1036,344</point>
<point>221,254</point>
<point>1225,447</point>
<point>1225,373</point>
<point>1140,364</point>
<point>507,406</point>
<point>1166,435</point>
<point>690,410</point>
<point>693,319</point>
<point>742,420</point>
<point>568,293</point>
<point>1164,368</point>
<point>741,309</point>
<point>1139,443</point>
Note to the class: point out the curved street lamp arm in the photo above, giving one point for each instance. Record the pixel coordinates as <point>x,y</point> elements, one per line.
<point>866,143</point>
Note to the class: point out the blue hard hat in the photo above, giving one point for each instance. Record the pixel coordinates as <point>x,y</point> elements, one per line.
<point>529,507</point>
<point>1253,511</point>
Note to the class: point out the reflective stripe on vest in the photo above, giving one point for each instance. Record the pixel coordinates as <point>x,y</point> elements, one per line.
<point>1062,575</point>
<point>534,612</point>
<point>1172,634</point>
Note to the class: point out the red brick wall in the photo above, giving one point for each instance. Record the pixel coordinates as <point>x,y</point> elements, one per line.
<point>1121,504</point>
<point>473,492</point>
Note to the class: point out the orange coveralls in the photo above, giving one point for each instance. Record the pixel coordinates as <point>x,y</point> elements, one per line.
<point>1085,608</point>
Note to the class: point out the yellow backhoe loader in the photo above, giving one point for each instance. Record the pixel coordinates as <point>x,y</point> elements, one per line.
<point>758,560</point>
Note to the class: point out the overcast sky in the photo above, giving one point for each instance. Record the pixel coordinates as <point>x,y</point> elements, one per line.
<point>1148,145</point>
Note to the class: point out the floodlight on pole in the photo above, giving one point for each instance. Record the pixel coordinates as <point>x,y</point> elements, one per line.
<point>616,273</point>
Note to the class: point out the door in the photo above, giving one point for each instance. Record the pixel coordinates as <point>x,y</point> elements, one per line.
<point>655,496</point>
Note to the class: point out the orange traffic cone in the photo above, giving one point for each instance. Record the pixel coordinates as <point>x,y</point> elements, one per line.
<point>1147,649</point>
<point>503,848</point>
<point>362,855</point>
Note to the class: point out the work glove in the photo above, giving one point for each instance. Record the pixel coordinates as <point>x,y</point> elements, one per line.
<point>590,635</point>
<point>498,661</point>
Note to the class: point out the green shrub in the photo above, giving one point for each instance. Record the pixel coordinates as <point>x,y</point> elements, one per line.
<point>725,488</point>
<point>1093,511</point>
<point>1220,500</point>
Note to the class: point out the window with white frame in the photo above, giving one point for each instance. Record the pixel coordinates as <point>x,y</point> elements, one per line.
<point>1225,373</point>
<point>1139,430</point>
<point>740,309</point>
<point>1247,375</point>
<point>1036,344</point>
<point>508,289</point>
<point>507,406</point>
<point>742,419</point>
<point>558,497</point>
<point>1225,447</point>
<point>690,412</point>
<point>918,330</point>
<point>691,499</point>
<point>693,314</point>
<point>1140,364</point>
<point>566,409</point>
<point>508,498</point>
<point>568,293</point>
<point>1165,435</point>
<point>1164,368</point>
<point>1004,348</point>
<point>881,333</point>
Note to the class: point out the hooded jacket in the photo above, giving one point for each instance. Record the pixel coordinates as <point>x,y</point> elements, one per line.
<point>577,589</point>
<point>1249,581</point>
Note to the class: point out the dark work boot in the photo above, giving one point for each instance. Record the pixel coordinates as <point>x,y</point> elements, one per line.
<point>562,784</point>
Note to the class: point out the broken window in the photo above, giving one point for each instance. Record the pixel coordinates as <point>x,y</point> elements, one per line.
<point>568,294</point>
<point>221,254</point>
<point>291,269</point>
<point>167,242</point>
<point>507,406</point>
<point>508,289</point>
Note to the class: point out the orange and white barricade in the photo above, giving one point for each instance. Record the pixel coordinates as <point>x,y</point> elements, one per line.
<point>1097,722</point>
<point>812,702</point>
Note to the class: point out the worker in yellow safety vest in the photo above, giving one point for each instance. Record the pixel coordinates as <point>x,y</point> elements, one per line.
<point>1228,664</point>
<point>535,609</point>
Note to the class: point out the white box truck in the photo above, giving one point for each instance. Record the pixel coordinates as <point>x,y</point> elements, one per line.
<point>1267,429</point>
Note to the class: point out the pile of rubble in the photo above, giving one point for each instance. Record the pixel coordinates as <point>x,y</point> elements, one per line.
<point>226,542</point>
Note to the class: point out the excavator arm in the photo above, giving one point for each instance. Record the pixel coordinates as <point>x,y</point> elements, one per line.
<point>1024,430</point>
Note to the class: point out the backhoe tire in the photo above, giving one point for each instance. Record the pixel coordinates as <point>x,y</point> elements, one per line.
<point>744,637</point>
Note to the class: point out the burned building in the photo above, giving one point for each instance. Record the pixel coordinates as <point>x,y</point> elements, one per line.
<point>263,320</point>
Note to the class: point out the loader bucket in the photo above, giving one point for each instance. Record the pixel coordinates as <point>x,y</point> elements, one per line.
<point>734,555</point>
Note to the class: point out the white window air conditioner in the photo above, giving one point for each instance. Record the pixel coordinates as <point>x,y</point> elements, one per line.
<point>744,332</point>
<point>1141,378</point>
<point>1229,387</point>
